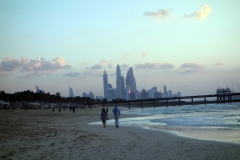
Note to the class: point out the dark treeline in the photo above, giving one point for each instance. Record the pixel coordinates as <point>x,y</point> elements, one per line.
<point>30,96</point>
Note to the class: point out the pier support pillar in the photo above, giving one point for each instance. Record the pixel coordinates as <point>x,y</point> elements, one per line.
<point>141,105</point>
<point>167,102</point>
<point>179,103</point>
<point>205,100</point>
<point>192,101</point>
<point>154,103</point>
<point>129,105</point>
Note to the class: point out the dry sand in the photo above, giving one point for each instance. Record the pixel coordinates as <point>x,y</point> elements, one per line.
<point>42,134</point>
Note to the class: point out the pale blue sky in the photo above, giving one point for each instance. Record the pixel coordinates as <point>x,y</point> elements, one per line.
<point>187,47</point>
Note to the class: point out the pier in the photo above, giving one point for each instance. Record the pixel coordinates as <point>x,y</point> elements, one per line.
<point>151,102</point>
<point>178,101</point>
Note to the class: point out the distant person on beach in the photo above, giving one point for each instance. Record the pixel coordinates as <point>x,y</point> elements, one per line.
<point>73,109</point>
<point>107,113</point>
<point>116,112</point>
<point>103,117</point>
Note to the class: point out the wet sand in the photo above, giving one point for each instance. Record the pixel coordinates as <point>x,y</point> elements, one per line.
<point>42,134</point>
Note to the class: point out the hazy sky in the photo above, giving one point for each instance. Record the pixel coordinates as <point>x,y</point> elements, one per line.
<point>190,46</point>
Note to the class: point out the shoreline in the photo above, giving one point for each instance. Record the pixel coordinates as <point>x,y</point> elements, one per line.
<point>42,134</point>
<point>210,133</point>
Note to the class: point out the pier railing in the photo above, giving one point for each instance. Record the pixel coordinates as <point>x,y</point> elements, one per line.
<point>178,101</point>
<point>160,102</point>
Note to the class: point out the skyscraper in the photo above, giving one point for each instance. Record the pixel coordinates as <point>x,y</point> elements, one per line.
<point>165,92</point>
<point>144,94</point>
<point>91,95</point>
<point>127,92</point>
<point>84,94</point>
<point>120,86</point>
<point>179,94</point>
<point>118,71</point>
<point>70,92</point>
<point>123,88</point>
<point>105,83</point>
<point>130,81</point>
<point>39,90</point>
<point>152,91</point>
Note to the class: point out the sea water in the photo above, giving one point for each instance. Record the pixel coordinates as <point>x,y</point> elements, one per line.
<point>218,122</point>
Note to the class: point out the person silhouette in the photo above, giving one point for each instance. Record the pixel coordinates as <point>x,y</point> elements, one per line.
<point>103,117</point>
<point>116,112</point>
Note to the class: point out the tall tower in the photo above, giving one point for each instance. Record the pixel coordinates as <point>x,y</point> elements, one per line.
<point>118,83</point>
<point>105,83</point>
<point>71,94</point>
<point>130,81</point>
<point>39,90</point>
<point>165,92</point>
<point>123,91</point>
<point>118,70</point>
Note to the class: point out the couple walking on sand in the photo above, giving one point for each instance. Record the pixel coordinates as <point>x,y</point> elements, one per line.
<point>104,116</point>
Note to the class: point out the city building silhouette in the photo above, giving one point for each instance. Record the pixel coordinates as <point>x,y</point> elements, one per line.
<point>39,90</point>
<point>130,81</point>
<point>71,94</point>
<point>91,95</point>
<point>120,85</point>
<point>105,83</point>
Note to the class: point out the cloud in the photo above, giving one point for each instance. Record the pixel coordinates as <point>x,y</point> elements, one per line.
<point>127,55</point>
<point>100,65</point>
<point>37,73</point>
<point>159,14</point>
<point>200,14</point>
<point>93,72</point>
<point>144,54</point>
<point>96,66</point>
<point>4,74</point>
<point>190,67</point>
<point>110,66</point>
<point>72,74</point>
<point>219,64</point>
<point>154,66</point>
<point>40,64</point>
<point>166,66</point>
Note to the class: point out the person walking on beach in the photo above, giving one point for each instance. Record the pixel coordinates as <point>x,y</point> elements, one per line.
<point>103,117</point>
<point>116,112</point>
<point>107,113</point>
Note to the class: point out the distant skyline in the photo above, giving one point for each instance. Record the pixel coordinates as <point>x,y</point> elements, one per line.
<point>192,47</point>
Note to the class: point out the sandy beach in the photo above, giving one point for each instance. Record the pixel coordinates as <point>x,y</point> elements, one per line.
<point>43,134</point>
